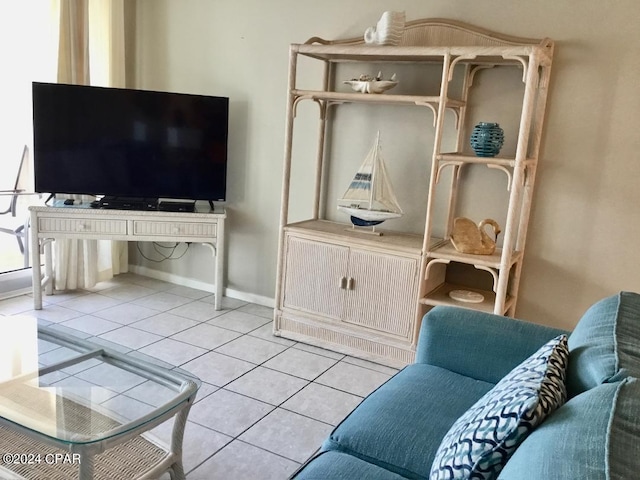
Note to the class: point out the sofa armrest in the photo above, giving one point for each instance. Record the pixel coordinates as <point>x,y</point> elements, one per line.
<point>476,344</point>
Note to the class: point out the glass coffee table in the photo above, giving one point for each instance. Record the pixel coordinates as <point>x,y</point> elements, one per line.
<point>70,408</point>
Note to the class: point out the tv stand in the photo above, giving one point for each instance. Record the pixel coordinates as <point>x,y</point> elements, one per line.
<point>82,222</point>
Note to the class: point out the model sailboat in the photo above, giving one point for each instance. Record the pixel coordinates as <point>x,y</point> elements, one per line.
<point>370,199</point>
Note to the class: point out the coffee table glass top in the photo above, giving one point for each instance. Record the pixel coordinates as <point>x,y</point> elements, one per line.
<point>77,392</point>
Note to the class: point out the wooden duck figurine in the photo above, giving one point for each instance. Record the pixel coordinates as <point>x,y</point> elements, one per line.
<point>467,237</point>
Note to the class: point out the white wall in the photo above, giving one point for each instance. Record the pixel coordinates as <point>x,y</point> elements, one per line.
<point>585,221</point>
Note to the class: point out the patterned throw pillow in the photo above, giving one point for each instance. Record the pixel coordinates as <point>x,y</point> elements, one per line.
<point>481,441</point>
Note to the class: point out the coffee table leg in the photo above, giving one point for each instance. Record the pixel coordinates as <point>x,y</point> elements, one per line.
<point>177,437</point>
<point>86,466</point>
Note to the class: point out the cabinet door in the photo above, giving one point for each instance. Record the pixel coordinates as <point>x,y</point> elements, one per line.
<point>383,292</point>
<point>313,277</point>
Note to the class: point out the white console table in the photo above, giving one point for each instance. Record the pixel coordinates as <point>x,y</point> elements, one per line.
<point>85,223</point>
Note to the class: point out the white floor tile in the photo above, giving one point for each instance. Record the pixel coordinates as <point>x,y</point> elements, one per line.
<point>228,412</point>
<point>131,337</point>
<point>192,293</point>
<point>161,301</point>
<point>251,349</point>
<point>267,385</point>
<point>238,321</point>
<point>265,332</point>
<point>258,310</point>
<point>128,292</point>
<point>124,408</point>
<point>205,390</point>
<point>199,442</point>
<point>90,303</point>
<point>172,351</point>
<point>300,363</point>
<point>197,310</point>
<point>240,461</point>
<point>370,365</point>
<point>12,306</point>
<point>352,379</point>
<point>126,313</point>
<point>288,434</point>
<point>151,393</point>
<point>149,282</point>
<point>85,390</point>
<point>54,313</point>
<point>227,303</point>
<point>91,324</point>
<point>165,324</point>
<point>217,369</point>
<point>62,296</point>
<point>44,346</point>
<point>69,331</point>
<point>322,403</point>
<point>111,377</point>
<point>206,336</point>
<point>56,355</point>
<point>319,351</point>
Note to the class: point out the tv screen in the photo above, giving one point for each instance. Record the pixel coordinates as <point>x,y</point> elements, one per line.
<point>129,143</point>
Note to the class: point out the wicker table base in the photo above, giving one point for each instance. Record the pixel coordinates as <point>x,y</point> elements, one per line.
<point>122,462</point>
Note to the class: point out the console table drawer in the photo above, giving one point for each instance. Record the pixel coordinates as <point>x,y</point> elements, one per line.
<point>167,229</point>
<point>82,225</point>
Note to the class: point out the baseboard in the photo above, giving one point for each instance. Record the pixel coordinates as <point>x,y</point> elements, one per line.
<point>250,297</point>
<point>206,286</point>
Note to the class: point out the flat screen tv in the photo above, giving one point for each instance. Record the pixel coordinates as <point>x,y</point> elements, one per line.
<point>129,143</point>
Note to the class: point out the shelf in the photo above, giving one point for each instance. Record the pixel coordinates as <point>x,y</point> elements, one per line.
<point>468,158</point>
<point>380,98</point>
<point>418,54</point>
<point>447,251</point>
<point>332,231</point>
<point>440,296</point>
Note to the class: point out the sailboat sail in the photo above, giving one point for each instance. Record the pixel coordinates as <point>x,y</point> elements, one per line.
<point>370,196</point>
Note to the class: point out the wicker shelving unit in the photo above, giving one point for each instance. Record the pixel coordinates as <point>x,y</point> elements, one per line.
<point>365,295</point>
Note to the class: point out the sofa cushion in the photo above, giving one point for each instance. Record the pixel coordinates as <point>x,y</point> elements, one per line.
<point>594,436</point>
<point>605,345</point>
<point>400,425</point>
<point>476,338</point>
<point>480,442</point>
<point>340,466</point>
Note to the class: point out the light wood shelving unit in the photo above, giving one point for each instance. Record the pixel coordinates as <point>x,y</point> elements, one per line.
<point>365,295</point>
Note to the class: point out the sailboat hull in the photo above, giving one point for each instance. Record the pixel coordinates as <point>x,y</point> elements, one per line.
<point>375,217</point>
<point>358,222</point>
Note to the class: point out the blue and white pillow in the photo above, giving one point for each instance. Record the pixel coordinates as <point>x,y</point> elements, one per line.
<point>479,443</point>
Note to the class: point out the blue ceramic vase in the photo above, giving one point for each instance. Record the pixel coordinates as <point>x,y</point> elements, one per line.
<point>487,139</point>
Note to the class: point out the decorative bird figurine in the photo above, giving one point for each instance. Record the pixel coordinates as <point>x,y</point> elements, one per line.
<point>467,237</point>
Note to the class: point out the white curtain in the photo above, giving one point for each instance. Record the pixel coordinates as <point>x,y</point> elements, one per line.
<point>91,51</point>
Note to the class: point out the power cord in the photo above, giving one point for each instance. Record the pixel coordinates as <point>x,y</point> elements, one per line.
<point>164,256</point>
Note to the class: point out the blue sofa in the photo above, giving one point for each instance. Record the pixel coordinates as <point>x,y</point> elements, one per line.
<point>395,432</point>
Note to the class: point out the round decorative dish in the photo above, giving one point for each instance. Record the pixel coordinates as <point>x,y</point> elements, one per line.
<point>466,296</point>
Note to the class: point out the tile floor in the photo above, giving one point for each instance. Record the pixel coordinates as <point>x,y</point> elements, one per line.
<point>266,403</point>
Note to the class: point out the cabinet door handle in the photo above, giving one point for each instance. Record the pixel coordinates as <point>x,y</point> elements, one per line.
<point>350,283</point>
<point>343,283</point>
